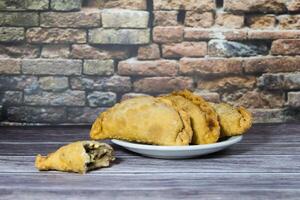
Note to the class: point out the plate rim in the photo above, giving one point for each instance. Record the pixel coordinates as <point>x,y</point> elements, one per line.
<point>230,141</point>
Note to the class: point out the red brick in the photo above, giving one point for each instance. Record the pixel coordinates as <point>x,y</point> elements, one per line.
<point>286,47</point>
<point>85,51</point>
<point>189,49</point>
<point>289,22</point>
<point>199,19</point>
<point>165,18</point>
<point>273,34</point>
<point>162,84</point>
<point>167,34</point>
<point>203,34</point>
<point>148,68</point>
<point>229,20</point>
<point>149,52</point>
<point>271,64</point>
<point>261,21</point>
<point>194,66</point>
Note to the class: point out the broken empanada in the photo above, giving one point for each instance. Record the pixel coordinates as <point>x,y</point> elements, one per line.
<point>77,157</point>
<point>145,120</point>
<point>204,119</point>
<point>233,121</point>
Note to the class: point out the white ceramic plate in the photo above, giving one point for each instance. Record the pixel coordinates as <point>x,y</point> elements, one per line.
<point>177,152</point>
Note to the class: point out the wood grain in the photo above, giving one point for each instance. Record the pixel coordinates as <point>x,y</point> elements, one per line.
<point>265,165</point>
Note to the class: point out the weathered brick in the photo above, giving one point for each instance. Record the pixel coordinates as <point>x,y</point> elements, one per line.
<point>125,4</point>
<point>254,99</point>
<point>202,66</point>
<point>148,68</point>
<point>289,22</point>
<point>268,115</point>
<point>114,83</point>
<point>261,21</point>
<point>203,34</point>
<point>18,82</point>
<point>189,49</point>
<point>293,99</point>
<point>263,6</point>
<point>66,98</point>
<point>229,20</point>
<point>85,51</point>
<point>230,83</point>
<point>122,18</point>
<point>167,34</point>
<point>286,47</point>
<point>271,64</point>
<point>24,19</point>
<point>209,96</point>
<point>64,5</point>
<point>200,5</point>
<point>53,83</point>
<point>11,98</point>
<point>97,99</point>
<point>293,5</point>
<point>273,34</point>
<point>10,66</point>
<point>98,67</point>
<point>132,95</point>
<point>18,51</point>
<point>24,5</point>
<point>36,114</point>
<point>81,19</point>
<point>165,18</point>
<point>55,35</point>
<point>199,19</point>
<point>55,51</point>
<point>83,114</point>
<point>162,84</point>
<point>119,36</point>
<point>223,48</point>
<point>11,34</point>
<point>51,66</point>
<point>279,81</point>
<point>149,52</point>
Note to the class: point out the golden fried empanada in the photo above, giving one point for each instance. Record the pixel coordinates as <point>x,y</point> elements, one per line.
<point>233,121</point>
<point>77,157</point>
<point>205,125</point>
<point>146,120</point>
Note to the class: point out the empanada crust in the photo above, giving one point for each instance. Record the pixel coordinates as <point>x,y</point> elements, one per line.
<point>233,121</point>
<point>206,129</point>
<point>75,158</point>
<point>145,120</point>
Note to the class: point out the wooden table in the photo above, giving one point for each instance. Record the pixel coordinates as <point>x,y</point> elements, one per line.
<point>265,165</point>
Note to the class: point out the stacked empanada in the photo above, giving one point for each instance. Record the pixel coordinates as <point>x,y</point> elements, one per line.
<point>179,118</point>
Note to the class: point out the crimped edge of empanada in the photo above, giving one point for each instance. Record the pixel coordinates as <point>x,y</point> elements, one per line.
<point>210,114</point>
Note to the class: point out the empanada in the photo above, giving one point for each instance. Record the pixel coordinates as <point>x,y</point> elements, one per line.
<point>77,157</point>
<point>145,120</point>
<point>233,121</point>
<point>204,120</point>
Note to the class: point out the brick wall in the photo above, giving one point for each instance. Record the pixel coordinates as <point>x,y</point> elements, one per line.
<point>64,61</point>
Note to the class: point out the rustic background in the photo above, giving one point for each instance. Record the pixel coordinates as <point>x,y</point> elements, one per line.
<point>64,61</point>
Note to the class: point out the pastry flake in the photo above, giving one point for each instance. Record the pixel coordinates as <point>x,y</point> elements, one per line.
<point>144,120</point>
<point>77,157</point>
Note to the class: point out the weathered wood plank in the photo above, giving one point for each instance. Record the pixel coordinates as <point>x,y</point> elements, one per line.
<point>217,164</point>
<point>29,149</point>
<point>192,194</point>
<point>151,181</point>
<point>275,133</point>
